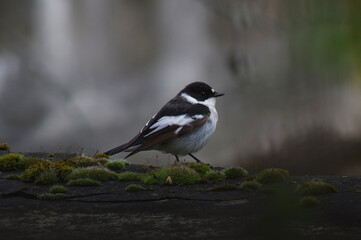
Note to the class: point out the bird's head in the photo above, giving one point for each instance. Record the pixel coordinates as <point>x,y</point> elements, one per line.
<point>200,91</point>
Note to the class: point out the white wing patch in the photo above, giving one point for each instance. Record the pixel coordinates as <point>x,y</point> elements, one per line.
<point>178,130</point>
<point>166,121</point>
<point>146,125</point>
<point>198,116</point>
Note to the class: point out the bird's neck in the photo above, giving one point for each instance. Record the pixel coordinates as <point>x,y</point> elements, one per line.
<point>210,102</point>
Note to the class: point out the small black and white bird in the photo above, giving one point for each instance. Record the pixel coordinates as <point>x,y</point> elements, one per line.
<point>182,127</point>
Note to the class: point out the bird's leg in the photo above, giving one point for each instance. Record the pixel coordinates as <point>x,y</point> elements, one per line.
<point>177,160</point>
<point>195,158</point>
<point>199,161</point>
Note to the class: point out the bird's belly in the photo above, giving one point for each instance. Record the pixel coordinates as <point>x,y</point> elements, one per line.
<point>190,143</point>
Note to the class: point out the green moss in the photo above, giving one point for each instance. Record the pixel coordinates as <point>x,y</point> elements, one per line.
<point>227,187</point>
<point>83,182</point>
<point>51,196</point>
<point>235,172</point>
<point>37,167</point>
<point>4,146</point>
<point>251,186</point>
<point>13,177</point>
<point>32,161</point>
<point>308,202</point>
<point>134,188</point>
<point>272,175</point>
<point>126,163</point>
<point>62,169</point>
<point>51,155</point>
<point>83,161</point>
<point>11,162</point>
<point>199,168</point>
<point>315,188</point>
<point>129,176</point>
<point>58,189</point>
<point>214,176</point>
<point>150,180</point>
<point>34,171</point>
<point>99,174</point>
<point>250,178</point>
<point>115,166</point>
<point>176,175</point>
<point>47,177</point>
<point>101,155</point>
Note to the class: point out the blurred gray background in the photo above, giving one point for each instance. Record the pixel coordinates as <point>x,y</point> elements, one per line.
<point>85,76</point>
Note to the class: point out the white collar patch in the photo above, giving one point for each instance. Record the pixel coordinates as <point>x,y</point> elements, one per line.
<point>210,102</point>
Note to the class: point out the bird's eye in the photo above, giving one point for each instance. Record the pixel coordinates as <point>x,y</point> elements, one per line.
<point>203,93</point>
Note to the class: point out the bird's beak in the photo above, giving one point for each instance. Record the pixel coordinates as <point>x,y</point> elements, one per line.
<point>216,94</point>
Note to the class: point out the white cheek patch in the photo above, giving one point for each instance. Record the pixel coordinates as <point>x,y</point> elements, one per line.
<point>166,121</point>
<point>210,102</point>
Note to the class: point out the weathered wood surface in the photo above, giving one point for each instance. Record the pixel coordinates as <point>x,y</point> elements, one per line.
<point>179,212</point>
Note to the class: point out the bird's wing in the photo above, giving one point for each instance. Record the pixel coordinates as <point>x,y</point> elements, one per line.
<point>159,129</point>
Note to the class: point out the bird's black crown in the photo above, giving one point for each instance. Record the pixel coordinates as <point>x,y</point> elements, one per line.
<point>200,91</point>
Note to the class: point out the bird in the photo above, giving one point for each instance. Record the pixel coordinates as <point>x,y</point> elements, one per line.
<point>181,127</point>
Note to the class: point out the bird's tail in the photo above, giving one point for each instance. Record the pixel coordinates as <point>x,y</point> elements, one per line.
<point>116,150</point>
<point>127,147</point>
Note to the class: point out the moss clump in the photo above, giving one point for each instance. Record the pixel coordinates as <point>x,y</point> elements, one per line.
<point>272,175</point>
<point>34,171</point>
<point>99,174</point>
<point>32,161</point>
<point>48,171</point>
<point>83,182</point>
<point>4,146</point>
<point>251,186</point>
<point>51,196</point>
<point>101,155</point>
<point>126,163</point>
<point>250,178</point>
<point>12,162</point>
<point>134,188</point>
<point>62,169</point>
<point>13,177</point>
<point>150,180</point>
<point>235,172</point>
<point>214,176</point>
<point>129,176</point>
<point>47,177</point>
<point>83,161</point>
<point>226,187</point>
<point>115,166</point>
<point>308,202</point>
<point>315,188</point>
<point>177,175</point>
<point>51,155</point>
<point>58,189</point>
<point>199,168</point>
